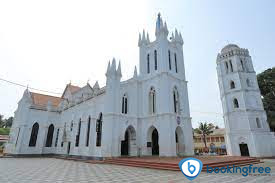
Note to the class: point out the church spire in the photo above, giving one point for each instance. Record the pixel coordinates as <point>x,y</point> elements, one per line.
<point>161,29</point>
<point>159,24</point>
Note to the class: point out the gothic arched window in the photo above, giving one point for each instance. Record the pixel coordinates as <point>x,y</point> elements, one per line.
<point>169,59</point>
<point>98,130</point>
<point>50,136</point>
<point>176,101</point>
<point>72,125</point>
<point>77,139</point>
<point>242,65</point>
<point>176,63</point>
<point>148,63</point>
<point>34,133</point>
<point>226,67</point>
<point>232,85</point>
<point>236,103</point>
<point>152,101</point>
<point>231,66</point>
<point>124,104</point>
<point>156,59</point>
<point>88,131</point>
<point>258,123</point>
<point>56,138</point>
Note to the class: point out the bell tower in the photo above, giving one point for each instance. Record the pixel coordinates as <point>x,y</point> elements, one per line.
<point>244,116</point>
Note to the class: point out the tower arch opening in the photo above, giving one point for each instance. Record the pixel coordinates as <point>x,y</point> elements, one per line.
<point>232,85</point>
<point>236,103</point>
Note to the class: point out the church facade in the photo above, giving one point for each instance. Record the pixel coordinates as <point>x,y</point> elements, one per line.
<point>145,115</point>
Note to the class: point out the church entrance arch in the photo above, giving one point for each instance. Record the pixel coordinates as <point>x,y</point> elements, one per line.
<point>153,140</point>
<point>128,145</point>
<point>244,149</point>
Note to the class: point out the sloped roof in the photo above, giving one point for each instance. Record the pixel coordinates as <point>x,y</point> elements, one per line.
<point>42,100</point>
<point>71,88</point>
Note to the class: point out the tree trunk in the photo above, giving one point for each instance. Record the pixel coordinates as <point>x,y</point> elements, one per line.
<point>204,141</point>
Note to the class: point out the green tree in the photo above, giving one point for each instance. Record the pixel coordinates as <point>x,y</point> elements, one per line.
<point>8,122</point>
<point>266,81</point>
<point>5,123</point>
<point>204,130</point>
<point>1,121</point>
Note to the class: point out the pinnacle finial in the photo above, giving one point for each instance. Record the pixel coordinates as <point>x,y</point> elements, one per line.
<point>135,72</point>
<point>139,39</point>
<point>96,86</point>
<point>119,69</point>
<point>113,67</point>
<point>143,35</point>
<point>108,68</point>
<point>147,38</point>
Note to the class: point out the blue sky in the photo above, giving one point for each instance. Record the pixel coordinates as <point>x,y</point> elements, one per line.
<point>47,44</point>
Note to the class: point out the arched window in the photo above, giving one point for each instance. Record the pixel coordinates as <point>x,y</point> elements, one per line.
<point>98,130</point>
<point>148,63</point>
<point>236,103</point>
<point>50,136</point>
<point>242,65</point>
<point>77,139</point>
<point>258,123</point>
<point>169,59</point>
<point>72,125</point>
<point>231,66</point>
<point>232,85</point>
<point>156,59</point>
<point>176,63</point>
<point>226,67</point>
<point>34,133</point>
<point>56,138</point>
<point>152,101</point>
<point>124,104</point>
<point>88,131</point>
<point>176,101</point>
<point>248,83</point>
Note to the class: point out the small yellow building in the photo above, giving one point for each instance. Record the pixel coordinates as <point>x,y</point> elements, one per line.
<point>215,142</point>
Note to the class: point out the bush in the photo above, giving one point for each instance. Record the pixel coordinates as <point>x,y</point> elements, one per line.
<point>4,131</point>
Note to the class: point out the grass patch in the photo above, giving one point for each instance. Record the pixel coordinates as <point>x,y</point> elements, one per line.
<point>4,131</point>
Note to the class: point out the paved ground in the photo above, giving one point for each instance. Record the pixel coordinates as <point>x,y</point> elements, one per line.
<point>49,170</point>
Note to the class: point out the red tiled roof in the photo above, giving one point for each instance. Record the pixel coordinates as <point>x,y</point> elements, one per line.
<point>42,100</point>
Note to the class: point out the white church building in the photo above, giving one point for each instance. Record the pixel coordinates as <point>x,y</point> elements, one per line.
<point>145,115</point>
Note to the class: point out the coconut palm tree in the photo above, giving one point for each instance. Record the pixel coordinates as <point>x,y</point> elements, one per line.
<point>204,130</point>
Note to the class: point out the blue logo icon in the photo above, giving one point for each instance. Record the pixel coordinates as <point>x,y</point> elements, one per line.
<point>190,167</point>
